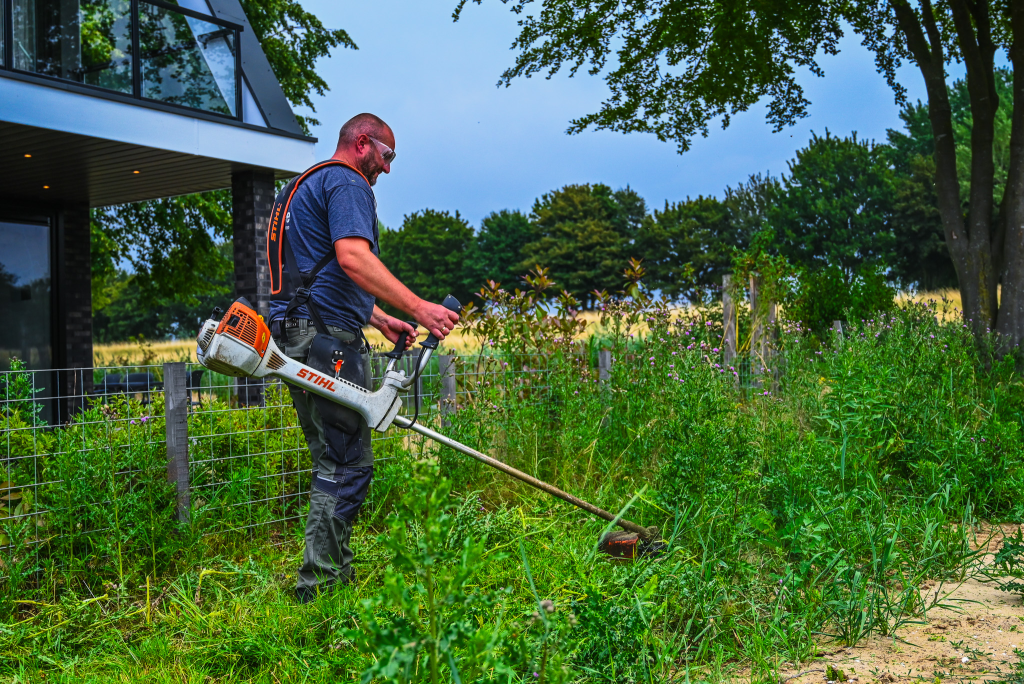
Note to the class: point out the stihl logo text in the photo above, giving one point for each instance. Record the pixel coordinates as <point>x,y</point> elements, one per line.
<point>316,379</point>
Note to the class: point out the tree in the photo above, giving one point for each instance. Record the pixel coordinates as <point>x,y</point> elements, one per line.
<point>584,234</point>
<point>497,251</point>
<point>428,252</point>
<point>673,68</point>
<point>127,310</point>
<point>687,246</point>
<point>921,250</point>
<point>171,244</point>
<point>835,206</point>
<point>293,40</point>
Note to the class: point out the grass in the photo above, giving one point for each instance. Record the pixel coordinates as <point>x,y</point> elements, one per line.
<point>801,513</point>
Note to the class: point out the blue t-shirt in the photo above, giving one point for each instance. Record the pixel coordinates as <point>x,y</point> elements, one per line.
<point>333,203</point>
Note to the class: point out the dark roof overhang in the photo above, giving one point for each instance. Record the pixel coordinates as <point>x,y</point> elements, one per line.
<point>85,149</point>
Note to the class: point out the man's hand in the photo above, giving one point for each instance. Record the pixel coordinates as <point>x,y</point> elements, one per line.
<point>435,318</point>
<point>392,327</point>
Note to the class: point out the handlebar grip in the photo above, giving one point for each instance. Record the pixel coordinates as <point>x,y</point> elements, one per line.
<point>399,349</point>
<point>450,303</point>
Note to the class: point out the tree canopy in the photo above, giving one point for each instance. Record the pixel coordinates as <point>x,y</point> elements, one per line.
<point>673,69</point>
<point>584,234</point>
<point>428,254</point>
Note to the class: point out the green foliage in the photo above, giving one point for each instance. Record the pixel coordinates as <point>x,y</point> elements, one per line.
<point>821,297</point>
<point>497,250</point>
<point>1009,560</point>
<point>813,505</point>
<point>170,245</point>
<point>425,622</point>
<point>17,393</point>
<point>435,628</point>
<point>428,253</point>
<point>833,208</point>
<point>722,56</point>
<point>583,234</point>
<point>921,253</point>
<point>293,40</point>
<point>687,246</point>
<point>123,312</point>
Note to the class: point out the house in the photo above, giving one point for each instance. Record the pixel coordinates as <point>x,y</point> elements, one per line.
<point>104,102</point>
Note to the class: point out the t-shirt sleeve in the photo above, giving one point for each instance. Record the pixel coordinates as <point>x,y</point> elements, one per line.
<point>350,209</point>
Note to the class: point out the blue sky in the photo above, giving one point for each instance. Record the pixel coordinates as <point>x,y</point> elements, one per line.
<point>464,144</point>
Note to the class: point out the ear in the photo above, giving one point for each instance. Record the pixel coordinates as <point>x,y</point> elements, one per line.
<point>363,143</point>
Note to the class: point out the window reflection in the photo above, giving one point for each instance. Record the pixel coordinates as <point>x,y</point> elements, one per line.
<point>186,61</point>
<point>25,294</point>
<point>88,41</point>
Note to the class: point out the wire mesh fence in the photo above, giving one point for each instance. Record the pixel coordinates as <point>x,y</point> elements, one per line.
<point>75,446</point>
<point>87,453</point>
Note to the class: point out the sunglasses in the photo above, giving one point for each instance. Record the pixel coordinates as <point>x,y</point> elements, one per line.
<point>386,153</point>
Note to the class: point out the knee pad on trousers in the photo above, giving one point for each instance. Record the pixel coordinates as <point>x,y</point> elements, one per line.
<point>348,489</point>
<point>343,448</point>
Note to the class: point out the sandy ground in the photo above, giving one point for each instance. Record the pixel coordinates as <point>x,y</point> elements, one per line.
<point>975,640</point>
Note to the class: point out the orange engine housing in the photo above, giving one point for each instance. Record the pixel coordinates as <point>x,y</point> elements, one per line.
<point>247,326</point>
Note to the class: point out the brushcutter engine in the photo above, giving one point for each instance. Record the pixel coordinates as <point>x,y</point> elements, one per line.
<point>238,343</point>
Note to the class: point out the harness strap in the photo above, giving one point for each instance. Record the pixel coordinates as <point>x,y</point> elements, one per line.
<point>302,283</point>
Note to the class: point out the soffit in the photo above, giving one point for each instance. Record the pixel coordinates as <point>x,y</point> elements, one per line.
<point>83,170</point>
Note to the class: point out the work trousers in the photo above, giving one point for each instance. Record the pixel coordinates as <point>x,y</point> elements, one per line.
<point>342,471</point>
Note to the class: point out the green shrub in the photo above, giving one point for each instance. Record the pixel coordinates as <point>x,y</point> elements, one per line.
<point>831,294</point>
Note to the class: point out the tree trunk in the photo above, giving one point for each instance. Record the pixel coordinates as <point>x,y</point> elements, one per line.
<point>974,37</point>
<point>1011,249</point>
<point>969,243</point>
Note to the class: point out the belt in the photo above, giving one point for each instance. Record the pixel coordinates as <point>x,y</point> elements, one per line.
<point>279,325</point>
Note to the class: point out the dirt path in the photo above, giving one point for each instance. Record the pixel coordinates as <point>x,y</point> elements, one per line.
<point>974,642</point>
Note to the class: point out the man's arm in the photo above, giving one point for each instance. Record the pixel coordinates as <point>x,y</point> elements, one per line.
<point>369,273</point>
<point>392,327</point>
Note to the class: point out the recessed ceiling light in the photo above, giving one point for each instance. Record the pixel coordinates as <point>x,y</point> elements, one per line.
<point>46,187</point>
<point>27,156</point>
<point>134,171</point>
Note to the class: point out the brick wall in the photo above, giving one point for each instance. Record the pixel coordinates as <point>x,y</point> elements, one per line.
<point>73,282</point>
<point>252,199</point>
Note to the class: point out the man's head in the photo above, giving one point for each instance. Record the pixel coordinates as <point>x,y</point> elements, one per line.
<point>367,143</point>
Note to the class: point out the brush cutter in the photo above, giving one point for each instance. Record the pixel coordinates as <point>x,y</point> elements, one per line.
<point>238,343</point>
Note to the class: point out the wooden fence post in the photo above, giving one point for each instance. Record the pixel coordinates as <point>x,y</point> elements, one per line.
<point>728,323</point>
<point>446,369</point>
<point>176,403</point>
<point>765,315</point>
<point>604,365</point>
<point>838,327</point>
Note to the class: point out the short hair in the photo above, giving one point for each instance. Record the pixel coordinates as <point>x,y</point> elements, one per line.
<point>370,124</point>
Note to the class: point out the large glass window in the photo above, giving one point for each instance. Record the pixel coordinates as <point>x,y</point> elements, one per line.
<point>88,41</point>
<point>152,49</point>
<point>186,61</point>
<point>25,294</point>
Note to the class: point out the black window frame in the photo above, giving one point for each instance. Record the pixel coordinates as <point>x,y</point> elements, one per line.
<point>136,94</point>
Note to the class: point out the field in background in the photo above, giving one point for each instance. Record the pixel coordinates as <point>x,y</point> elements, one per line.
<point>147,353</point>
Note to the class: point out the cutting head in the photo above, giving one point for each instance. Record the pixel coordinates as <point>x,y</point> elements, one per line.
<point>623,545</point>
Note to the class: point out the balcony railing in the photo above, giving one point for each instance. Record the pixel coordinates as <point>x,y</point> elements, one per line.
<point>148,49</point>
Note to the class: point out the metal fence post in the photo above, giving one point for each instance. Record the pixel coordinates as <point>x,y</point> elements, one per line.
<point>446,369</point>
<point>728,323</point>
<point>176,403</point>
<point>838,327</point>
<point>604,365</point>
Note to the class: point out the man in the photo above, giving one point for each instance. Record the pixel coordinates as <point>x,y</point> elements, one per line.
<point>334,209</point>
